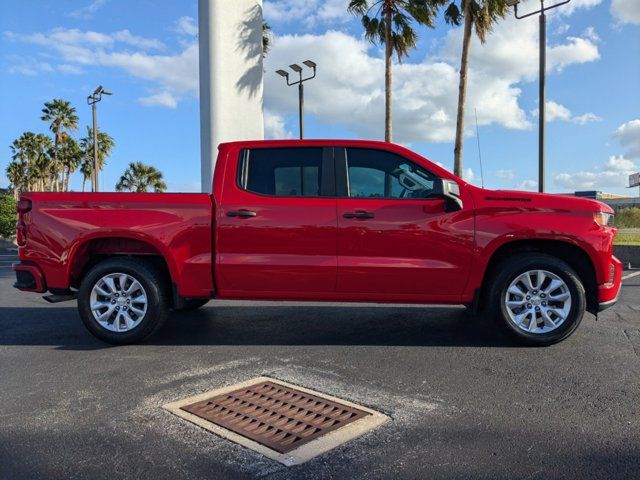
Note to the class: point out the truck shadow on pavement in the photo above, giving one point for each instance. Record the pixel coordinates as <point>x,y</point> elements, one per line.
<point>268,325</point>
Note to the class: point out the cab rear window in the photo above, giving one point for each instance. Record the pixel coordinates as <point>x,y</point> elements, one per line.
<point>281,172</point>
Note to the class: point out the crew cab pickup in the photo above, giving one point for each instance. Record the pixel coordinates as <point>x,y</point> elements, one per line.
<point>321,220</point>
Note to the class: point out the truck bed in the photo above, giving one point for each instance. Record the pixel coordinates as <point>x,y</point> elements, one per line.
<point>66,230</point>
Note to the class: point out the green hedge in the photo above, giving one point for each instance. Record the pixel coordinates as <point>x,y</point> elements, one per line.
<point>7,215</point>
<point>628,218</point>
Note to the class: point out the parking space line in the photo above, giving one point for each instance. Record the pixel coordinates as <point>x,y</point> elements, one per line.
<point>631,275</point>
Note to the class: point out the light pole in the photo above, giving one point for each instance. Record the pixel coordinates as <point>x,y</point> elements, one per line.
<point>543,77</point>
<point>92,99</point>
<point>298,69</point>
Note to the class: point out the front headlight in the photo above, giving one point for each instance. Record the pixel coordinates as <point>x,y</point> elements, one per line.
<point>603,219</point>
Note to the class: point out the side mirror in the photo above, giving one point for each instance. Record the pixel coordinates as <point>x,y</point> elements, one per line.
<point>450,191</point>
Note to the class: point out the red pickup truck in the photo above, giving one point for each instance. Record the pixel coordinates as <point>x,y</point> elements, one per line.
<point>321,220</point>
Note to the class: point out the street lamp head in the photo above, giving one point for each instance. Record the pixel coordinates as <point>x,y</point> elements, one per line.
<point>296,68</point>
<point>512,3</point>
<point>283,73</point>
<point>98,90</point>
<point>310,64</point>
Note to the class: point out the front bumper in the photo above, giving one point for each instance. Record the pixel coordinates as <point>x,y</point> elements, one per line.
<point>29,278</point>
<point>609,292</point>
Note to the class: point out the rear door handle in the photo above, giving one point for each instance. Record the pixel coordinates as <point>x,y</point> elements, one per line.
<point>361,215</point>
<point>241,214</point>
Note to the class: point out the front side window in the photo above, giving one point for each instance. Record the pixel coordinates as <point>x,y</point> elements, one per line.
<point>380,174</point>
<point>282,172</point>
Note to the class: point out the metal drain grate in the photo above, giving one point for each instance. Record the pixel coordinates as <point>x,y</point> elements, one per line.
<point>276,416</point>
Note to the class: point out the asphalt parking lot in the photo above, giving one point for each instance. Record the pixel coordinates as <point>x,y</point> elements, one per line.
<point>464,402</point>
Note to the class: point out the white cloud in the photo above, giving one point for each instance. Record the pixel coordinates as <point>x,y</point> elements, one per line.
<point>87,12</point>
<point>613,174</point>
<point>30,67</point>
<point>186,26</point>
<point>628,134</point>
<point>528,185</point>
<point>468,175</point>
<point>618,163</point>
<point>586,118</point>
<point>590,33</point>
<point>349,89</point>
<point>173,77</point>
<point>626,11</point>
<point>576,50</point>
<point>309,12</point>
<point>125,36</point>
<point>72,40</point>
<point>556,111</point>
<point>508,52</point>
<point>574,5</point>
<point>505,174</point>
<point>162,99</point>
<point>274,126</point>
<point>72,69</point>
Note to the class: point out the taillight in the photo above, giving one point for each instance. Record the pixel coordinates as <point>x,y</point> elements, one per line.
<point>21,233</point>
<point>22,207</point>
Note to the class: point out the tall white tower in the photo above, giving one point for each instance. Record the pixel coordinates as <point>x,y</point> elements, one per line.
<point>231,96</point>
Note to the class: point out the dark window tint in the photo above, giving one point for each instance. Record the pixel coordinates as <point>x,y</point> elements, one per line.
<point>284,172</point>
<point>379,174</point>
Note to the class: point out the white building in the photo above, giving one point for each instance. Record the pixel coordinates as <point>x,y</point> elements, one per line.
<point>231,95</point>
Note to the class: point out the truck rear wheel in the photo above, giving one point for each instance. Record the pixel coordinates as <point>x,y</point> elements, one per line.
<point>538,298</point>
<point>122,300</point>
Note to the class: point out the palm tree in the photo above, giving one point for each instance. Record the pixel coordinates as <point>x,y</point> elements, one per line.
<point>267,38</point>
<point>70,156</point>
<point>139,177</point>
<point>62,116</point>
<point>391,25</point>
<point>32,153</point>
<point>86,168</point>
<point>480,15</point>
<point>105,145</point>
<point>16,173</point>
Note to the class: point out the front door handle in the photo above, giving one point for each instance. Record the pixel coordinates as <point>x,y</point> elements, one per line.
<point>360,215</point>
<point>242,214</point>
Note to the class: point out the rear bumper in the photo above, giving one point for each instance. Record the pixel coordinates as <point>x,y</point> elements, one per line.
<point>29,278</point>
<point>609,292</point>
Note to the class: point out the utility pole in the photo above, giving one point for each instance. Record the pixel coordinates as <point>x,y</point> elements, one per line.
<point>542,82</point>
<point>92,100</point>
<point>298,69</point>
<point>542,95</point>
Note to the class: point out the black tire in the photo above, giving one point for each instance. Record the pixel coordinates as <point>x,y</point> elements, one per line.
<point>192,304</point>
<point>153,284</point>
<point>508,270</point>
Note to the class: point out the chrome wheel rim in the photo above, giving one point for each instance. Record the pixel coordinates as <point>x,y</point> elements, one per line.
<point>538,301</point>
<point>118,302</point>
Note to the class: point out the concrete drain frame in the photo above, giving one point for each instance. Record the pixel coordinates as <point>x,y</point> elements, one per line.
<point>282,421</point>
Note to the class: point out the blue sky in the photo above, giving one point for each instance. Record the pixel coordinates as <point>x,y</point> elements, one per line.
<point>146,53</point>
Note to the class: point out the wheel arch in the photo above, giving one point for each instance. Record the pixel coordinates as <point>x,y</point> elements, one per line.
<point>573,255</point>
<point>90,251</point>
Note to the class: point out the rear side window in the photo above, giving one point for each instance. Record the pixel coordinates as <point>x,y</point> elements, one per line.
<point>281,172</point>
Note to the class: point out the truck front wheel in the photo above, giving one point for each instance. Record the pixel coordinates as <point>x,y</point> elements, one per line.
<point>122,300</point>
<point>538,298</point>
